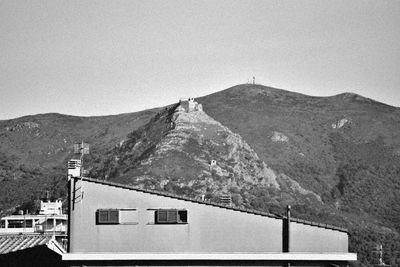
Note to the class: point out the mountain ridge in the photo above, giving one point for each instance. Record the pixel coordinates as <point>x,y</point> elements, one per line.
<point>344,148</point>
<point>344,95</point>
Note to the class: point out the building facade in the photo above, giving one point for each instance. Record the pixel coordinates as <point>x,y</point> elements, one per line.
<point>112,224</point>
<point>50,220</point>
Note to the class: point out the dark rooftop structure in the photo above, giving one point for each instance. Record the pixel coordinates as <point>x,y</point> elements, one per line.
<point>30,250</point>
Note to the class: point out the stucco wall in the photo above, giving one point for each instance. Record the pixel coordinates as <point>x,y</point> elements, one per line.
<point>209,229</point>
<point>306,238</point>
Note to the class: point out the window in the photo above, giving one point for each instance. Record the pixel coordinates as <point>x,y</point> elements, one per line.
<point>171,216</point>
<point>28,223</point>
<point>62,222</point>
<point>109,216</point>
<point>15,223</point>
<point>49,223</point>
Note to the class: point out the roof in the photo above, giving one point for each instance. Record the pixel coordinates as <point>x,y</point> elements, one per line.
<point>12,243</point>
<point>250,211</point>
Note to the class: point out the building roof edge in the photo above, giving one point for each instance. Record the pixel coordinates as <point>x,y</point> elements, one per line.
<point>211,256</point>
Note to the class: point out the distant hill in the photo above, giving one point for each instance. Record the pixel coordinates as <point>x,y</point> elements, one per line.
<point>34,151</point>
<point>314,140</point>
<point>334,159</point>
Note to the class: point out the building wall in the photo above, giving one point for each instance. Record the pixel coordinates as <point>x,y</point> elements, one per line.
<point>185,105</point>
<point>305,238</point>
<point>192,105</point>
<point>209,229</point>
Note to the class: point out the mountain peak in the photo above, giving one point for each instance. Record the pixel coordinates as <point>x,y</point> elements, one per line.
<point>348,96</point>
<point>184,149</point>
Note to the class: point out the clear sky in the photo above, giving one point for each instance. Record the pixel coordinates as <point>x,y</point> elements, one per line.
<point>107,57</point>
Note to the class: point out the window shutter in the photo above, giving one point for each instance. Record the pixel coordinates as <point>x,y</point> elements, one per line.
<point>172,216</point>
<point>162,216</point>
<point>107,216</point>
<point>113,216</point>
<point>102,216</point>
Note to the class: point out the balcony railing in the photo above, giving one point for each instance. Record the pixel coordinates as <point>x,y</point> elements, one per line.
<point>46,228</point>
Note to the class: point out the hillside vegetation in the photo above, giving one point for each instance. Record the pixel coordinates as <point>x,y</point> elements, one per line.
<point>192,154</point>
<point>34,151</point>
<point>334,159</point>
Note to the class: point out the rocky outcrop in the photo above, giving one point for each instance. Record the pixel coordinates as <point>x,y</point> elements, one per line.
<point>198,138</point>
<point>21,126</point>
<point>184,150</point>
<point>340,123</point>
<point>279,137</point>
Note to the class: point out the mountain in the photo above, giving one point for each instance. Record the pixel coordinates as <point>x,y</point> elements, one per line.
<point>34,151</point>
<point>192,154</point>
<point>334,159</point>
<point>345,148</point>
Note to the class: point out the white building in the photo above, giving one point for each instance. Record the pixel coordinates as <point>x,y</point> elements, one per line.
<point>50,220</point>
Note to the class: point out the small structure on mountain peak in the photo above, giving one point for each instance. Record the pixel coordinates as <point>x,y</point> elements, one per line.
<point>189,105</point>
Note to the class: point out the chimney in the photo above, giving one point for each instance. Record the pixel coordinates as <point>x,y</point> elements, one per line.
<point>74,168</point>
<point>286,231</point>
